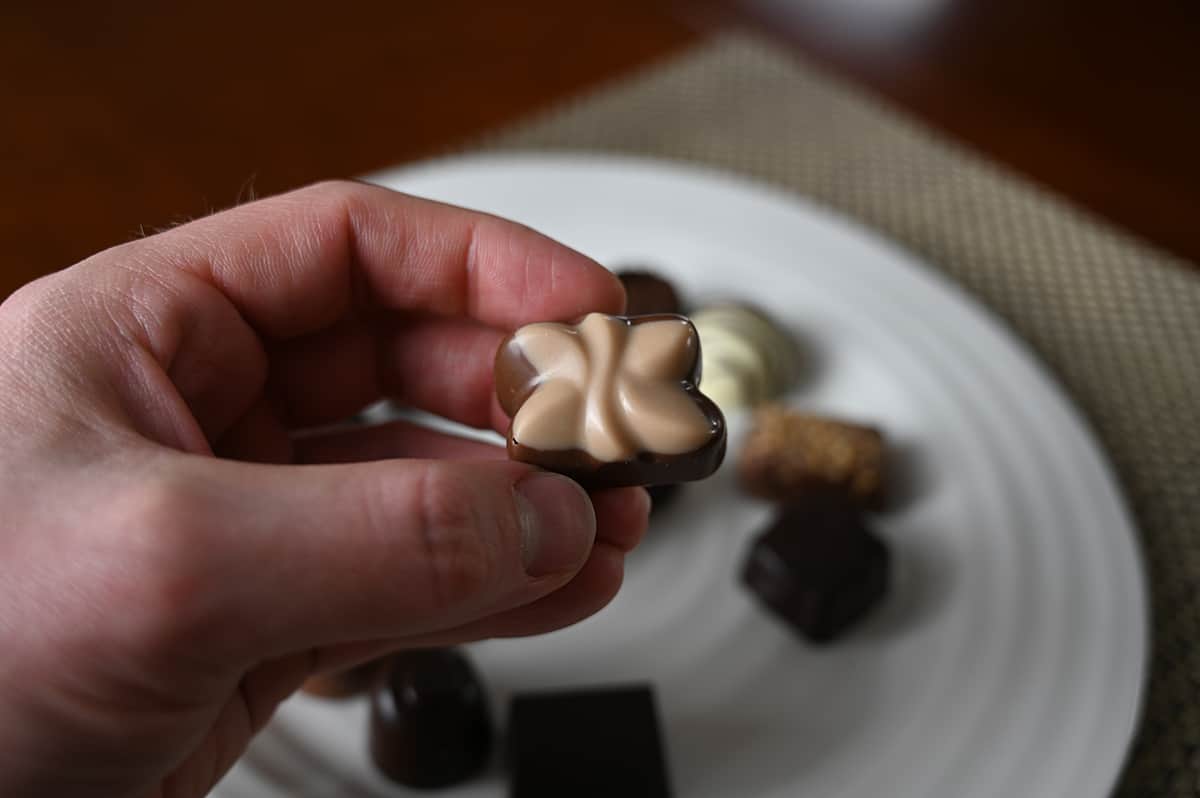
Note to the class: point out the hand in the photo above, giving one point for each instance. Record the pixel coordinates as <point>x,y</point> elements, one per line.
<point>175,560</point>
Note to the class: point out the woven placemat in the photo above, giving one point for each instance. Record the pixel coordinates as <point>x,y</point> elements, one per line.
<point>1118,321</point>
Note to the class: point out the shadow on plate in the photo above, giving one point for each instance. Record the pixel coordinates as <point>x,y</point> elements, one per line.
<point>909,474</point>
<point>779,732</point>
<point>922,580</point>
<point>812,360</point>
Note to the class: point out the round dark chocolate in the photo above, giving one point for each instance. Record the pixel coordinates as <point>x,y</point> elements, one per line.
<point>430,723</point>
<point>648,293</point>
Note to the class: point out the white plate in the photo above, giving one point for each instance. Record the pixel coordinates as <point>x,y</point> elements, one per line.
<point>1007,661</point>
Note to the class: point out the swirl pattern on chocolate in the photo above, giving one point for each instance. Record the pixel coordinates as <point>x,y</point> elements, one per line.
<point>610,389</point>
<point>611,400</point>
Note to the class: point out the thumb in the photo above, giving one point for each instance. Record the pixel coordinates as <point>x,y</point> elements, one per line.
<point>319,555</point>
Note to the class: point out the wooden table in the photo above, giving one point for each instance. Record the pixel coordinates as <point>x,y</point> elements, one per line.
<point>120,120</point>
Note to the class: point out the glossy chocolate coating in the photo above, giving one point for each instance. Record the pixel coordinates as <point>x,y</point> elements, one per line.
<point>648,293</point>
<point>819,568</point>
<point>430,724</point>
<point>344,683</point>
<point>516,379</point>
<point>599,743</point>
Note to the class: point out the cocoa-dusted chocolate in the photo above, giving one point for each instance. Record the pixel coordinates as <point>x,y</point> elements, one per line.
<point>647,293</point>
<point>818,568</point>
<point>610,401</point>
<point>789,456</point>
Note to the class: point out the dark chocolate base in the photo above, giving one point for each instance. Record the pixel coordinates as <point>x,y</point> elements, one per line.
<point>645,469</point>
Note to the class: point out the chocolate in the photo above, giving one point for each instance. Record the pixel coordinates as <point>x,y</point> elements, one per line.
<point>662,495</point>
<point>818,568</point>
<point>597,743</point>
<point>648,293</point>
<point>749,358</point>
<point>790,456</point>
<point>430,723</point>
<point>611,401</point>
<point>344,683</point>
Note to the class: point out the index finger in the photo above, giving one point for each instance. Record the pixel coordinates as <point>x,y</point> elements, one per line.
<point>298,262</point>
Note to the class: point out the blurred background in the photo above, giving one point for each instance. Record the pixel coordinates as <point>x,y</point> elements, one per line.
<point>122,118</point>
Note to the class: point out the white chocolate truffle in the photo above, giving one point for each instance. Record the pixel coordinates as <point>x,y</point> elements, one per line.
<point>748,357</point>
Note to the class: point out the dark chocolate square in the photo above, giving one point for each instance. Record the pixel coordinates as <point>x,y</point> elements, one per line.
<point>597,743</point>
<point>819,568</point>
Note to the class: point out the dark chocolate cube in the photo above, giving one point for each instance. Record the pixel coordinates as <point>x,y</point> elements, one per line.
<point>819,568</point>
<point>600,743</point>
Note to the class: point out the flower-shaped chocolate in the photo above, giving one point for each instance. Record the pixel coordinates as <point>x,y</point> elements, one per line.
<point>610,401</point>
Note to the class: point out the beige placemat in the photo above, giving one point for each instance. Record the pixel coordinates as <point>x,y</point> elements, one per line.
<point>1117,320</point>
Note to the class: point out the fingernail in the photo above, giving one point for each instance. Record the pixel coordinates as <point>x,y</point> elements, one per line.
<point>558,524</point>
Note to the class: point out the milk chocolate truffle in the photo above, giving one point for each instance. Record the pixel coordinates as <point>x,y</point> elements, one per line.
<point>610,401</point>
<point>647,293</point>
<point>596,743</point>
<point>430,723</point>
<point>818,568</point>
<point>791,456</point>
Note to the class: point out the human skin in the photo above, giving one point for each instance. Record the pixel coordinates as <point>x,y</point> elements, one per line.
<point>175,559</point>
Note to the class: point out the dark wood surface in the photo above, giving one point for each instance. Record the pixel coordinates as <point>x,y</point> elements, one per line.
<point>126,118</point>
<point>1097,99</point>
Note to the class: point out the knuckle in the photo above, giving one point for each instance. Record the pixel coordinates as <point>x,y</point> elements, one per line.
<point>22,314</point>
<point>453,538</point>
<point>162,577</point>
<point>20,302</point>
<point>338,193</point>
